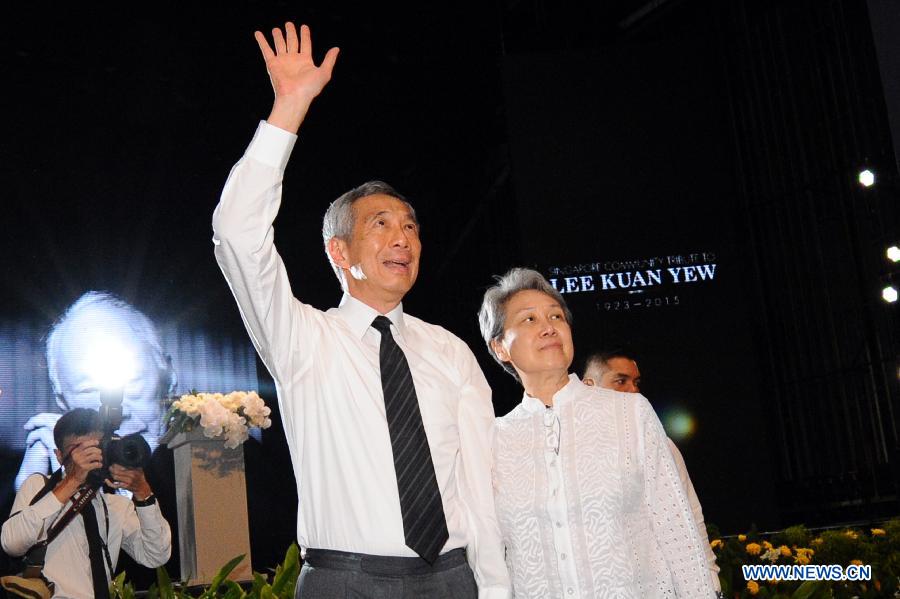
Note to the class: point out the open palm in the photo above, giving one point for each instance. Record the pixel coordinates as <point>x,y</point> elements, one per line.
<point>291,68</point>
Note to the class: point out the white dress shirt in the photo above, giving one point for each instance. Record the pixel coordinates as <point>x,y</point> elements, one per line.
<point>326,371</point>
<point>589,500</point>
<point>697,512</point>
<point>142,532</point>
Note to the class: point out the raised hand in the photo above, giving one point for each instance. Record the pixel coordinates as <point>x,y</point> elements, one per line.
<point>84,457</point>
<point>80,459</point>
<point>129,478</point>
<point>43,420</point>
<point>40,436</point>
<point>295,77</point>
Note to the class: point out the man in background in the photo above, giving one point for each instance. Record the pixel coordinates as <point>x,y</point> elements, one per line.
<point>616,369</point>
<point>80,560</point>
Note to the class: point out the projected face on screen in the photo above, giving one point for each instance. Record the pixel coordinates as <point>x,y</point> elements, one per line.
<point>106,345</point>
<point>101,344</point>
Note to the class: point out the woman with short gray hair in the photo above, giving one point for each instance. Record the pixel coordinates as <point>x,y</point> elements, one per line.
<point>587,494</point>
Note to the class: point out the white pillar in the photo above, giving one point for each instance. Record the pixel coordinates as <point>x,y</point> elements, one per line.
<point>212,507</point>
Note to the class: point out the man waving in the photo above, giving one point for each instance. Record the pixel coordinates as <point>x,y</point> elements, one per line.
<point>388,417</point>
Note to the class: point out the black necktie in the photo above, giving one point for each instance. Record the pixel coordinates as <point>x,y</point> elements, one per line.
<point>95,552</point>
<point>424,524</point>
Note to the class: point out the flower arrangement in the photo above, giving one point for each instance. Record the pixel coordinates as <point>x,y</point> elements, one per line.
<point>797,545</point>
<point>231,414</point>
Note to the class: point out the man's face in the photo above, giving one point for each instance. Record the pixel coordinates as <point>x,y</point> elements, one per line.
<point>536,336</point>
<point>80,384</point>
<point>385,244</point>
<point>621,374</point>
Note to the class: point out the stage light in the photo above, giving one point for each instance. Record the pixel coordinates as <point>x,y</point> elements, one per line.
<point>110,364</point>
<point>679,424</point>
<point>893,253</point>
<point>889,294</point>
<point>866,178</point>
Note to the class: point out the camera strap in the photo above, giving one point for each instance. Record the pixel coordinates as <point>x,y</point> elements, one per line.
<point>34,557</point>
<point>78,506</point>
<point>78,503</point>
<point>33,560</point>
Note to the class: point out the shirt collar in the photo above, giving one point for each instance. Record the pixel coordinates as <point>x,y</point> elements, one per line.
<point>359,316</point>
<point>560,398</point>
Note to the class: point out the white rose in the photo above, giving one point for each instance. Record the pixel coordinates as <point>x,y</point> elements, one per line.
<point>213,418</point>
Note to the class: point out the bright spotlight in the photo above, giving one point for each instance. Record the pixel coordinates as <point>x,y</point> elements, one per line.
<point>889,294</point>
<point>866,178</point>
<point>109,363</point>
<point>893,253</point>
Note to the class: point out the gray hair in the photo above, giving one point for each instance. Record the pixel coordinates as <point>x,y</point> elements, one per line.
<point>143,328</point>
<point>492,315</point>
<point>339,218</point>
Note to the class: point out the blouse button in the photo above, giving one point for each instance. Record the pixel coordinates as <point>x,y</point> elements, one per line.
<point>562,556</point>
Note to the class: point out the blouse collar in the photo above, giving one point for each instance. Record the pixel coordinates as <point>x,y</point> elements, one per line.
<point>560,398</point>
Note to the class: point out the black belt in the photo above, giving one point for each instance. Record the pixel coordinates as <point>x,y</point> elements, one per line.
<point>383,565</point>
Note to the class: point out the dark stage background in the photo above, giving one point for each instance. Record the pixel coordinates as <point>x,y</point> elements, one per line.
<point>581,139</point>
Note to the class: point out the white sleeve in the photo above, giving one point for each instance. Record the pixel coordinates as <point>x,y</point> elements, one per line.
<point>697,512</point>
<point>476,429</point>
<point>244,239</point>
<point>28,524</point>
<point>667,503</point>
<point>146,535</point>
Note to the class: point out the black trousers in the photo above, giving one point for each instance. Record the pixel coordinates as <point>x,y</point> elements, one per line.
<point>341,575</point>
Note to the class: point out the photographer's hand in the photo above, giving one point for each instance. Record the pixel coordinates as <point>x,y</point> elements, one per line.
<point>129,478</point>
<point>83,457</point>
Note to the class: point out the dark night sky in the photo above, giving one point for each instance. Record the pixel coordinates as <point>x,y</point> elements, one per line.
<point>125,126</point>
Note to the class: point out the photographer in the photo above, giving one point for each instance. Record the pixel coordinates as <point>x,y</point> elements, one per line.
<point>79,561</point>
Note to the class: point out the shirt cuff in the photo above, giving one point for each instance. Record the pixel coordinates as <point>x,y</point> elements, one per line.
<point>271,145</point>
<point>150,516</point>
<point>494,593</point>
<point>148,511</point>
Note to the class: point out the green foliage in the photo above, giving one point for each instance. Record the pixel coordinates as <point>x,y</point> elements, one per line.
<point>843,546</point>
<point>794,536</point>
<point>812,589</point>
<point>119,588</point>
<point>281,586</point>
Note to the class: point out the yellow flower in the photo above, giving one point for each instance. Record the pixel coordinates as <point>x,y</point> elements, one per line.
<point>850,533</point>
<point>753,549</point>
<point>753,587</point>
<point>785,551</point>
<point>878,532</point>
<point>716,544</point>
<point>801,558</point>
<point>856,562</point>
<point>742,538</point>
<point>767,545</point>
<point>805,553</point>
<point>816,541</point>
